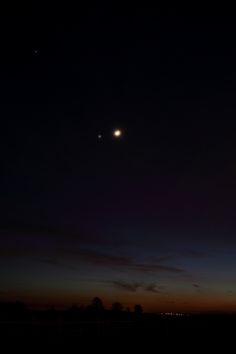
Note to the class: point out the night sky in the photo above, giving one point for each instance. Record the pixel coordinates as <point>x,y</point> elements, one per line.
<point>148,217</point>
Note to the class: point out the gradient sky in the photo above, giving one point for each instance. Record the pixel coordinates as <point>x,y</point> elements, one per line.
<point>148,218</point>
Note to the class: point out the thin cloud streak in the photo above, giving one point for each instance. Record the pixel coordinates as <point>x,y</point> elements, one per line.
<point>73,254</point>
<point>197,286</point>
<point>134,286</point>
<point>152,288</point>
<point>123,285</point>
<point>108,260</point>
<point>189,254</point>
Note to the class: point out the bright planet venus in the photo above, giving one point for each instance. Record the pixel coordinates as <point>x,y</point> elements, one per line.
<point>117,133</point>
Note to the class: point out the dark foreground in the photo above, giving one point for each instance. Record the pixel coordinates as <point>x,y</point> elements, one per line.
<point>95,327</point>
<point>161,331</point>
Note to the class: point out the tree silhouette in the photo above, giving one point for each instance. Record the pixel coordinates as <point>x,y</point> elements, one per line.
<point>138,310</point>
<point>117,307</point>
<point>97,304</point>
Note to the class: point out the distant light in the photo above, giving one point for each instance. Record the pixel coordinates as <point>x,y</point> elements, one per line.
<point>172,314</point>
<point>117,133</point>
<point>99,136</point>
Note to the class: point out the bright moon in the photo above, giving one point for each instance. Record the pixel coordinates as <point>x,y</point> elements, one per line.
<point>117,133</point>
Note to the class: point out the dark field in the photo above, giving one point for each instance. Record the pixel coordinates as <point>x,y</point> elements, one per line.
<point>88,328</point>
<point>163,331</point>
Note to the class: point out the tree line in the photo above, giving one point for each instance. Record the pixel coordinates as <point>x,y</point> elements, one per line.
<point>94,310</point>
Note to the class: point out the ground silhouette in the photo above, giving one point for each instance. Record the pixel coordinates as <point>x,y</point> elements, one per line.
<point>17,321</point>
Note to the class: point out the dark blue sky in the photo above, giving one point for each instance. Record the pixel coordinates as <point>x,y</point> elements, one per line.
<point>147,218</point>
